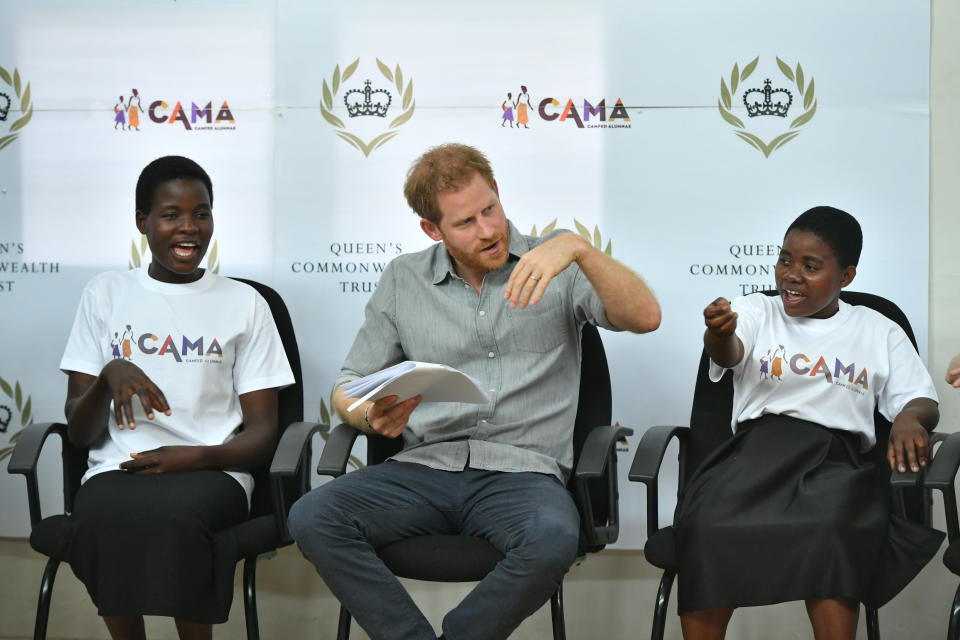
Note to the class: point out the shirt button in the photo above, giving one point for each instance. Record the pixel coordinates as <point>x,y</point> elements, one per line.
<point>491,354</point>
<point>466,286</point>
<point>483,313</point>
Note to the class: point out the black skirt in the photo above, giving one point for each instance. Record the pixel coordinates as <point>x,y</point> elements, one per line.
<point>788,510</point>
<point>147,544</point>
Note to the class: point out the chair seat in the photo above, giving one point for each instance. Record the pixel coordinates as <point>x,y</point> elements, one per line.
<point>441,558</point>
<point>256,536</point>
<point>661,549</point>
<point>46,537</point>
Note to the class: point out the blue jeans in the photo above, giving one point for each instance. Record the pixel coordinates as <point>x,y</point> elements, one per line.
<point>529,517</point>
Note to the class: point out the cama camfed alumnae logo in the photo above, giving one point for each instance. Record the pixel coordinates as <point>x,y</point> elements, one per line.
<point>130,113</point>
<point>517,109</point>
<point>373,108</point>
<point>774,109</point>
<point>15,105</point>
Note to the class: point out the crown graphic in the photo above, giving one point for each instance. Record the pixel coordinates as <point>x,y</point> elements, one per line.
<point>4,108</point>
<point>751,100</point>
<point>367,107</point>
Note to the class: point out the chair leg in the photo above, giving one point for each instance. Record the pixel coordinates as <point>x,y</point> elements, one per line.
<point>873,625</point>
<point>556,614</point>
<point>250,598</point>
<point>43,602</point>
<point>660,608</point>
<point>953,631</point>
<point>343,625</point>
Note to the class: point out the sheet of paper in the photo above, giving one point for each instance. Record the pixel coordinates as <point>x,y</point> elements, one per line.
<point>435,382</point>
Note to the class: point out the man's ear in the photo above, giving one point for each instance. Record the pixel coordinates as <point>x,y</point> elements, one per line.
<point>141,221</point>
<point>431,229</point>
<point>847,276</point>
<point>496,188</point>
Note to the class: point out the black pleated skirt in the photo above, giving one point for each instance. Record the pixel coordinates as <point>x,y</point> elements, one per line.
<point>147,544</point>
<point>788,510</point>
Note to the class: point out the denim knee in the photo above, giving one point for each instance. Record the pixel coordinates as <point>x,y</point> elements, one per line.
<point>310,516</point>
<point>553,548</point>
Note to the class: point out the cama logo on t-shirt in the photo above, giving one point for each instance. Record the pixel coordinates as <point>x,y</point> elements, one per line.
<point>771,366</point>
<point>122,344</point>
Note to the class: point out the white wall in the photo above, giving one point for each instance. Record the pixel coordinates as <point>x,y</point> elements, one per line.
<point>611,594</point>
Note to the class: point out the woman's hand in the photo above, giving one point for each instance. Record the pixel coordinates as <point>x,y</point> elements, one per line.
<point>720,318</point>
<point>127,381</point>
<point>910,435</point>
<point>909,445</point>
<point>174,459</point>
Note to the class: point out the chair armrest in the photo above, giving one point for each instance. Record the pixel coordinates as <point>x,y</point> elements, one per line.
<point>905,479</point>
<point>600,442</point>
<point>24,458</point>
<point>650,452</point>
<point>941,474</point>
<point>943,469</point>
<point>336,450</point>
<point>598,463</point>
<point>288,469</point>
<point>647,462</point>
<point>292,447</point>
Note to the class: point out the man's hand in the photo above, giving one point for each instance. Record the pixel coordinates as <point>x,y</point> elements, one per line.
<point>172,459</point>
<point>537,267</point>
<point>388,417</point>
<point>126,381</point>
<point>953,372</point>
<point>720,318</point>
<point>909,445</point>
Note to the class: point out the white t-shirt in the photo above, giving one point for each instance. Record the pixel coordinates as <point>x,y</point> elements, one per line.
<point>831,371</point>
<point>203,344</point>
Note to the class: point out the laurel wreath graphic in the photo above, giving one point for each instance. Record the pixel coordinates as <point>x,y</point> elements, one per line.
<point>26,108</point>
<point>807,92</point>
<point>15,393</point>
<point>138,255</point>
<point>593,238</point>
<point>395,76</point>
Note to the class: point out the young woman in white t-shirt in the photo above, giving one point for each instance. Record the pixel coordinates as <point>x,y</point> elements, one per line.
<point>168,456</point>
<point>787,509</point>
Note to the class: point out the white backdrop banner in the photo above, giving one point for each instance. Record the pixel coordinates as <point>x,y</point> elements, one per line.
<point>683,138</point>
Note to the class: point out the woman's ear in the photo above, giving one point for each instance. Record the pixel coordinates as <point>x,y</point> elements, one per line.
<point>847,276</point>
<point>141,222</point>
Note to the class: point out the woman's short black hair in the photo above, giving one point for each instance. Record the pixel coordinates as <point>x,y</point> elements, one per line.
<point>837,228</point>
<point>163,170</point>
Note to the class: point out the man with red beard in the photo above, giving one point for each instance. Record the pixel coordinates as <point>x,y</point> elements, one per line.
<point>506,309</point>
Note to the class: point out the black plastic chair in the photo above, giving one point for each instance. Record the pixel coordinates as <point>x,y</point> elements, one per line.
<point>468,559</point>
<point>941,475</point>
<point>264,531</point>
<point>710,427</point>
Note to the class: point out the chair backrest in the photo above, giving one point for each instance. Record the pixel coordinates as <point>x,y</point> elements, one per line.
<point>289,400</point>
<point>594,409</point>
<point>713,407</point>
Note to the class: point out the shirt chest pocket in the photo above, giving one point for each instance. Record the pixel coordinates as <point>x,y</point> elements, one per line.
<point>540,328</point>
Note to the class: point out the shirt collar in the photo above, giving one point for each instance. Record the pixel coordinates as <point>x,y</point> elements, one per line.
<point>443,264</point>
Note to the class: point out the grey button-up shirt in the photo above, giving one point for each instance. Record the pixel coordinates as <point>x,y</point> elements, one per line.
<point>528,360</point>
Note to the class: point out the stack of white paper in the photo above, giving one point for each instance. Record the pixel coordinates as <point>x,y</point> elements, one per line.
<point>435,382</point>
